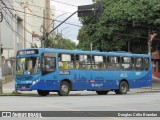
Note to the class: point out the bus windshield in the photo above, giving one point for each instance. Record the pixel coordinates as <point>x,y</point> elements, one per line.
<point>28,66</point>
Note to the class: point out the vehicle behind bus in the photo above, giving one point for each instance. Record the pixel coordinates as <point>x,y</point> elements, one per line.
<point>62,71</point>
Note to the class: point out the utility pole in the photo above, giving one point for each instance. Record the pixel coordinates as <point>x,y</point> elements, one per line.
<point>129,46</point>
<point>1,83</point>
<point>149,41</point>
<point>87,10</point>
<point>91,46</point>
<point>151,36</point>
<point>24,26</point>
<point>43,38</point>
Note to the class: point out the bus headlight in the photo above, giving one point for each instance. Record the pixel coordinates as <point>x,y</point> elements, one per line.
<point>36,81</point>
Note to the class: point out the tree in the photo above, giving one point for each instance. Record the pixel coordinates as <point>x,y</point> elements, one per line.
<point>122,22</point>
<point>34,45</point>
<point>60,42</point>
<point>68,44</point>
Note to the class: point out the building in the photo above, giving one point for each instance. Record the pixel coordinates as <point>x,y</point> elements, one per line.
<point>23,20</point>
<point>36,40</point>
<point>12,29</point>
<point>42,16</point>
<point>156,64</point>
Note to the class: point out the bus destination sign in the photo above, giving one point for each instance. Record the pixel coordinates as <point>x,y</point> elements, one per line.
<point>27,52</point>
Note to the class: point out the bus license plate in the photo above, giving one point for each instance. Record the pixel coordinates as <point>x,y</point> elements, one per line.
<point>23,87</point>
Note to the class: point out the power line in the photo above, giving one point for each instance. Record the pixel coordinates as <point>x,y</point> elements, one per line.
<point>18,14</point>
<point>77,6</point>
<point>14,17</point>
<point>23,8</point>
<point>20,24</point>
<point>41,16</point>
<point>125,23</point>
<point>128,35</point>
<point>65,3</point>
<point>44,17</point>
<point>53,21</point>
<point>43,7</point>
<point>21,38</point>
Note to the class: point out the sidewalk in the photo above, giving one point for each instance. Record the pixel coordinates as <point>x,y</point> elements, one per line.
<point>156,83</point>
<point>9,87</point>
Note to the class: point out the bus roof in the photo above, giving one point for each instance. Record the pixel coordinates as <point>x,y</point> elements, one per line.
<point>112,53</point>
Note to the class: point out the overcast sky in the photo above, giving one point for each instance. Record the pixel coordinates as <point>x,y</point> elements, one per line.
<point>68,31</point>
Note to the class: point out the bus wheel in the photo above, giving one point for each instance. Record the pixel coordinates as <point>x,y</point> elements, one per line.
<point>64,89</point>
<point>123,88</point>
<point>43,92</point>
<point>102,92</point>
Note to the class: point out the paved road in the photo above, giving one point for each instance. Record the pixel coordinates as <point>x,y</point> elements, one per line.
<point>135,100</point>
<point>84,102</point>
<point>74,102</point>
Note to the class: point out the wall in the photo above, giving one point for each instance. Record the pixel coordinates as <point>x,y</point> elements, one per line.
<point>37,21</point>
<point>11,34</point>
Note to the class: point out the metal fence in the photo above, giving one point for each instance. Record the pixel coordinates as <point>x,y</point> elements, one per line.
<point>8,66</point>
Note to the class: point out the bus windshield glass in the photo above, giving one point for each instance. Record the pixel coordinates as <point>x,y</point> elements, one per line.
<point>28,66</point>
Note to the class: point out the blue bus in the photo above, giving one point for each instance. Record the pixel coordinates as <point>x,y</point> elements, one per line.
<point>57,70</point>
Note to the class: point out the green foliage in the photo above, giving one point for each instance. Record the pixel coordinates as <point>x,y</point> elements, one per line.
<point>34,45</point>
<point>122,21</point>
<point>59,42</point>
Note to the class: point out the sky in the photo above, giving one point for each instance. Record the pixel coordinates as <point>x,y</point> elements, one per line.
<point>68,31</point>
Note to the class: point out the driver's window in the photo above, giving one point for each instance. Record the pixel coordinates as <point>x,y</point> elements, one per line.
<point>48,64</point>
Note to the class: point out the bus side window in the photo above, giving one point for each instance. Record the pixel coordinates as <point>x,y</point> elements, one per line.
<point>71,63</point>
<point>127,63</point>
<point>48,64</point>
<point>139,64</point>
<point>113,63</point>
<point>88,62</point>
<point>77,61</point>
<point>99,62</point>
<point>84,62</point>
<point>66,61</point>
<point>146,64</point>
<point>60,63</point>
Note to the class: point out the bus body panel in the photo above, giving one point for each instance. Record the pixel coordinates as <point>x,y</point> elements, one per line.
<point>83,79</point>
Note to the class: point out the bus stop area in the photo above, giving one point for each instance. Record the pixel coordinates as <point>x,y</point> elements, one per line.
<point>9,87</point>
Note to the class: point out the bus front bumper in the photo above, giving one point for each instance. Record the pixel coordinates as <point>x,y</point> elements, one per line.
<point>39,85</point>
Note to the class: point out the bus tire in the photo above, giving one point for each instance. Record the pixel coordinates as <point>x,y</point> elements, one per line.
<point>64,89</point>
<point>102,92</point>
<point>43,92</point>
<point>123,88</point>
